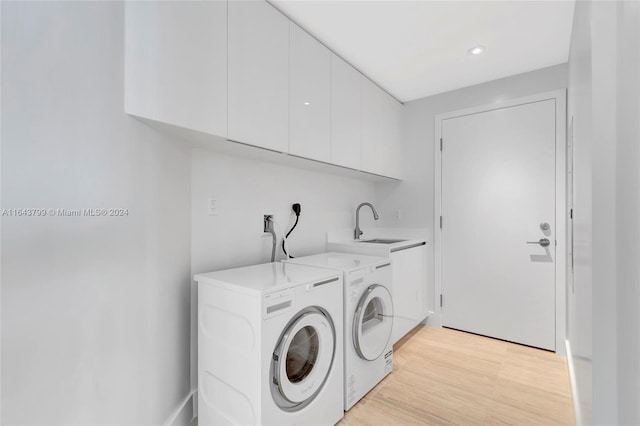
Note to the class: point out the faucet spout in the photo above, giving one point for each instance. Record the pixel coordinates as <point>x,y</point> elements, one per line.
<point>357,232</point>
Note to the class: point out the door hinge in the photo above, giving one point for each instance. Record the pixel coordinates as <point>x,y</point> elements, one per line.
<point>440,222</point>
<point>571,214</point>
<point>441,301</point>
<point>440,144</point>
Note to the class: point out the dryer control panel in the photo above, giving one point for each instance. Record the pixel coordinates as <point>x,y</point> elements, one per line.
<point>358,279</point>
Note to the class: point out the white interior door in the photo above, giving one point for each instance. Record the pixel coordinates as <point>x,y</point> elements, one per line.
<point>498,188</point>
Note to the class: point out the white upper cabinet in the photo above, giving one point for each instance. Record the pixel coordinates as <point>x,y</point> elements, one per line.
<point>392,137</point>
<point>176,63</point>
<point>373,127</point>
<point>310,97</point>
<point>346,123</point>
<point>258,75</point>
<point>381,131</point>
<point>241,70</point>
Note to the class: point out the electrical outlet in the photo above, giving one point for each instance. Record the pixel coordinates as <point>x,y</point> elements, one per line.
<point>212,207</point>
<point>265,224</point>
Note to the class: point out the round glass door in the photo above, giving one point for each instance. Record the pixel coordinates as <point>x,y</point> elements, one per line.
<point>302,359</point>
<point>373,322</point>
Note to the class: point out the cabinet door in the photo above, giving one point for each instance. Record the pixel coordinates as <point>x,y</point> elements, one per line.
<point>409,289</point>
<point>258,75</point>
<point>381,131</point>
<point>373,113</point>
<point>392,136</point>
<point>346,122</point>
<point>310,92</point>
<point>176,63</point>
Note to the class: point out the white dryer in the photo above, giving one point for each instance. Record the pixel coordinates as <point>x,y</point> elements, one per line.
<point>368,320</point>
<point>270,346</point>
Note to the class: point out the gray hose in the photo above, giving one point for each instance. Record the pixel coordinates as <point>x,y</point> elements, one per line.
<point>275,239</point>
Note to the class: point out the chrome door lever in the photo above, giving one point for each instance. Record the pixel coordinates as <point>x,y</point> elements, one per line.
<point>544,242</point>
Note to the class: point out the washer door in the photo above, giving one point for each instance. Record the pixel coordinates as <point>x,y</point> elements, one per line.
<point>302,359</point>
<point>373,322</point>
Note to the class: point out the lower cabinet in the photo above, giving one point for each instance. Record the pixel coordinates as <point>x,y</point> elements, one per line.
<point>409,289</point>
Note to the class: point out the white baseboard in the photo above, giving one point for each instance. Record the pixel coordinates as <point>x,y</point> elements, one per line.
<point>433,320</point>
<point>182,415</point>
<point>574,384</point>
<point>195,404</point>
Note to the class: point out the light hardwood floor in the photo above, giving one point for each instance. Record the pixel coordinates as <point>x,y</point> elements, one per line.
<point>445,377</point>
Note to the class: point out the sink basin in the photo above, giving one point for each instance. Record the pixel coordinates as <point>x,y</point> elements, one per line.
<point>381,241</point>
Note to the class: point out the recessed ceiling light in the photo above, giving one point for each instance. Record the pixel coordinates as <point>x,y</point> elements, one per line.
<point>475,51</point>
<point>307,103</point>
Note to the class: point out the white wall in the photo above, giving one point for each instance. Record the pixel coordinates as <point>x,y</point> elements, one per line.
<point>95,311</point>
<point>603,229</point>
<point>628,210</point>
<point>414,196</point>
<point>579,289</point>
<point>604,98</point>
<point>246,190</point>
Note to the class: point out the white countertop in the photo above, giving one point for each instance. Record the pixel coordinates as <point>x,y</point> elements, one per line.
<point>411,235</point>
<point>265,277</point>
<point>339,261</point>
<point>391,246</point>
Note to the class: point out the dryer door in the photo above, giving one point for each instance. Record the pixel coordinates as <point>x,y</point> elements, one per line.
<point>373,322</point>
<point>302,359</point>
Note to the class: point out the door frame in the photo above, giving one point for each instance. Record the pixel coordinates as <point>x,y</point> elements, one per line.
<point>560,98</point>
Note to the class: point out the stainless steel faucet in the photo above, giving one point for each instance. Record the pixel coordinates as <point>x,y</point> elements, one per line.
<point>357,232</point>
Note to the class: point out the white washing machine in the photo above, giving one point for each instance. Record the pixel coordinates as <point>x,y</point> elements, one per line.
<point>270,346</point>
<point>368,320</point>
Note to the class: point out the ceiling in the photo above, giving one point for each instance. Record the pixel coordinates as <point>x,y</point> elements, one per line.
<point>418,48</point>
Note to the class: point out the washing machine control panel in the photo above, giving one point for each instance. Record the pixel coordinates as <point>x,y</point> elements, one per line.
<point>277,303</point>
